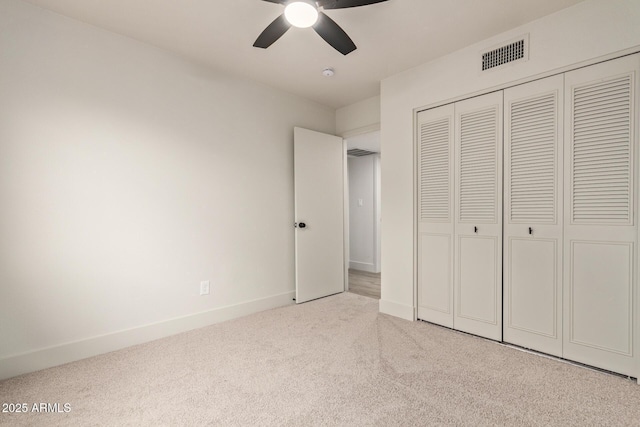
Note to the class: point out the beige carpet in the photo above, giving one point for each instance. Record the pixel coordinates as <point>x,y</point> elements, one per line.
<point>334,361</point>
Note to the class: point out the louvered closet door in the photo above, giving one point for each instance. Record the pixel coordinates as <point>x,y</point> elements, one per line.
<point>478,224</point>
<point>533,215</point>
<point>600,241</point>
<point>435,215</point>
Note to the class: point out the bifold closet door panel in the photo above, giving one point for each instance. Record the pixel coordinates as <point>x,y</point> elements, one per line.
<point>435,215</point>
<point>533,215</point>
<point>478,218</point>
<point>600,224</point>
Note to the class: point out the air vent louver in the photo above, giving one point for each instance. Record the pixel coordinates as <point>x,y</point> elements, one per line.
<point>511,52</point>
<point>357,152</point>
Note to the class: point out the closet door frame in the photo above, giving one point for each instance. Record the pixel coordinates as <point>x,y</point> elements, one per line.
<point>631,52</point>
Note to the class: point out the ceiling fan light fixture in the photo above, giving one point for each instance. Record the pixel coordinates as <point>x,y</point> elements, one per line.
<point>301,14</point>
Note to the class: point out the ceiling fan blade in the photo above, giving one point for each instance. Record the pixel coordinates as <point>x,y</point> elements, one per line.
<point>273,32</point>
<point>333,34</point>
<point>343,4</point>
<point>276,1</point>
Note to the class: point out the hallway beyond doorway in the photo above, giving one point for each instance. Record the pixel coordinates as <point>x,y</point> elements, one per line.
<point>364,283</point>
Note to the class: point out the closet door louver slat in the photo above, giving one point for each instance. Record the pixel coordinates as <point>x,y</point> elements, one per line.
<point>602,151</point>
<point>435,185</point>
<point>478,168</point>
<point>532,164</point>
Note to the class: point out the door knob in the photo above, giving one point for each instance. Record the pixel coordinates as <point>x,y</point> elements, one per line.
<point>302,225</point>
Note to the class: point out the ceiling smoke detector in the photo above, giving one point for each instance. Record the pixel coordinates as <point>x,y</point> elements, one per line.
<point>328,72</point>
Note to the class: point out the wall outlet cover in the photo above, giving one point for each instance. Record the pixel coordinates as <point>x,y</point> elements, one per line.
<point>204,287</point>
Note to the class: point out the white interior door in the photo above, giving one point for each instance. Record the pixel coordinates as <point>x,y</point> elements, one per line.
<point>319,161</point>
<point>533,215</point>
<point>435,215</point>
<point>478,224</point>
<point>600,225</point>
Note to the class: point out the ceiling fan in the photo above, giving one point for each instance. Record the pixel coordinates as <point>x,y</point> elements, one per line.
<point>308,13</point>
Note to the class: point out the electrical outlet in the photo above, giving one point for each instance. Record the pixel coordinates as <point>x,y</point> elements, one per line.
<point>204,287</point>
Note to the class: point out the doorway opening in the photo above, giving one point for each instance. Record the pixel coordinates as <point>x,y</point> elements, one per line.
<point>363,171</point>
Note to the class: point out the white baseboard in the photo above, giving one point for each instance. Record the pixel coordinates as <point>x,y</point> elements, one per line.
<point>363,266</point>
<point>397,310</point>
<point>70,352</point>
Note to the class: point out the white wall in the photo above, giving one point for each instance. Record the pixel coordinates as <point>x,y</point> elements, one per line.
<point>360,117</point>
<point>363,219</point>
<point>127,176</point>
<point>589,30</point>
<point>365,141</point>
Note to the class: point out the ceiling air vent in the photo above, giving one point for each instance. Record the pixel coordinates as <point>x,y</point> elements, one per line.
<point>515,51</point>
<point>357,152</point>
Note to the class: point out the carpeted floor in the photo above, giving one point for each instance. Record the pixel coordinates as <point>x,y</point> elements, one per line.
<point>334,361</point>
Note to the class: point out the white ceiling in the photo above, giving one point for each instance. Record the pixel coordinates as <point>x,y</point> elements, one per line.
<point>391,37</point>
